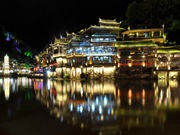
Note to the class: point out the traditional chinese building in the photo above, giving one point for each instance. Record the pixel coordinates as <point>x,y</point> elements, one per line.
<point>168,61</point>
<point>93,51</point>
<point>105,26</point>
<point>6,67</point>
<point>136,57</point>
<point>145,34</point>
<point>59,56</point>
<point>137,52</point>
<point>106,50</point>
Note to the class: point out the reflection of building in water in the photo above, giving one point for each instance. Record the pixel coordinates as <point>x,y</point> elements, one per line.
<point>167,93</point>
<point>113,108</point>
<point>6,88</point>
<point>90,102</point>
<point>38,84</point>
<point>53,94</point>
<point>136,96</point>
<point>13,85</point>
<point>97,104</point>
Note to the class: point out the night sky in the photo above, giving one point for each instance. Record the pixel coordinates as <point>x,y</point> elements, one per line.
<point>37,22</point>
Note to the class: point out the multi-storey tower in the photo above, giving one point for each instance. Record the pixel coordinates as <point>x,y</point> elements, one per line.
<point>6,65</point>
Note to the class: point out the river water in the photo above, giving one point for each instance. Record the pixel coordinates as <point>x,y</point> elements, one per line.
<point>58,107</point>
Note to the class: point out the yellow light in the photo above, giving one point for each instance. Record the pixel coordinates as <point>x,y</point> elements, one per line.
<point>130,64</point>
<point>129,93</point>
<point>169,67</point>
<point>143,93</point>
<point>143,64</point>
<point>119,93</point>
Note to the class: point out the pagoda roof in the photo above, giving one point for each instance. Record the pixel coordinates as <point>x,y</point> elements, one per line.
<point>168,49</point>
<point>142,30</point>
<point>105,27</point>
<point>132,44</point>
<point>63,40</point>
<point>102,29</point>
<point>108,21</point>
<point>70,34</point>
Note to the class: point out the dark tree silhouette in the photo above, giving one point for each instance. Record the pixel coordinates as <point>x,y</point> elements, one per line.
<point>154,12</point>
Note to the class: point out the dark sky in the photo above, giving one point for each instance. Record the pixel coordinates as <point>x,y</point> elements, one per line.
<point>37,22</point>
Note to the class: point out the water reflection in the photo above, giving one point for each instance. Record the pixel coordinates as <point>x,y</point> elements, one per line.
<point>13,91</point>
<point>167,94</point>
<point>6,88</point>
<point>97,104</point>
<point>9,86</point>
<point>102,106</point>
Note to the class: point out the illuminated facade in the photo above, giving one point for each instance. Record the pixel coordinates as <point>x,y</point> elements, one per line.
<point>137,52</point>
<point>76,55</point>
<point>93,52</point>
<point>105,26</point>
<point>93,56</point>
<point>51,61</point>
<point>136,57</point>
<point>6,65</point>
<point>59,56</point>
<point>147,34</point>
<point>168,58</point>
<point>107,51</point>
<point>13,68</point>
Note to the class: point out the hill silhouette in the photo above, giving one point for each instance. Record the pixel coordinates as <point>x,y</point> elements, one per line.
<point>15,48</point>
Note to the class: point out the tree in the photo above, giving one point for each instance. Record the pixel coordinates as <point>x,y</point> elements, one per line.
<point>135,14</point>
<point>155,12</point>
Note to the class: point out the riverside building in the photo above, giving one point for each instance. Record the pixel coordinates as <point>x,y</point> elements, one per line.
<point>104,51</point>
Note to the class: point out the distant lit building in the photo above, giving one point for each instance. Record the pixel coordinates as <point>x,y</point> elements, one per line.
<point>6,65</point>
<point>11,67</point>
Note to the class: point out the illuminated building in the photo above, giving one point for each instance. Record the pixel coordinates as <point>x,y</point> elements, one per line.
<point>155,35</point>
<point>104,50</point>
<point>137,52</point>
<point>6,71</point>
<point>93,56</point>
<point>168,58</point>
<point>92,52</point>
<point>75,53</point>
<point>105,26</point>
<point>13,68</point>
<point>59,55</point>
<point>51,60</point>
<point>136,57</point>
<point>41,65</point>
<point>168,61</point>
